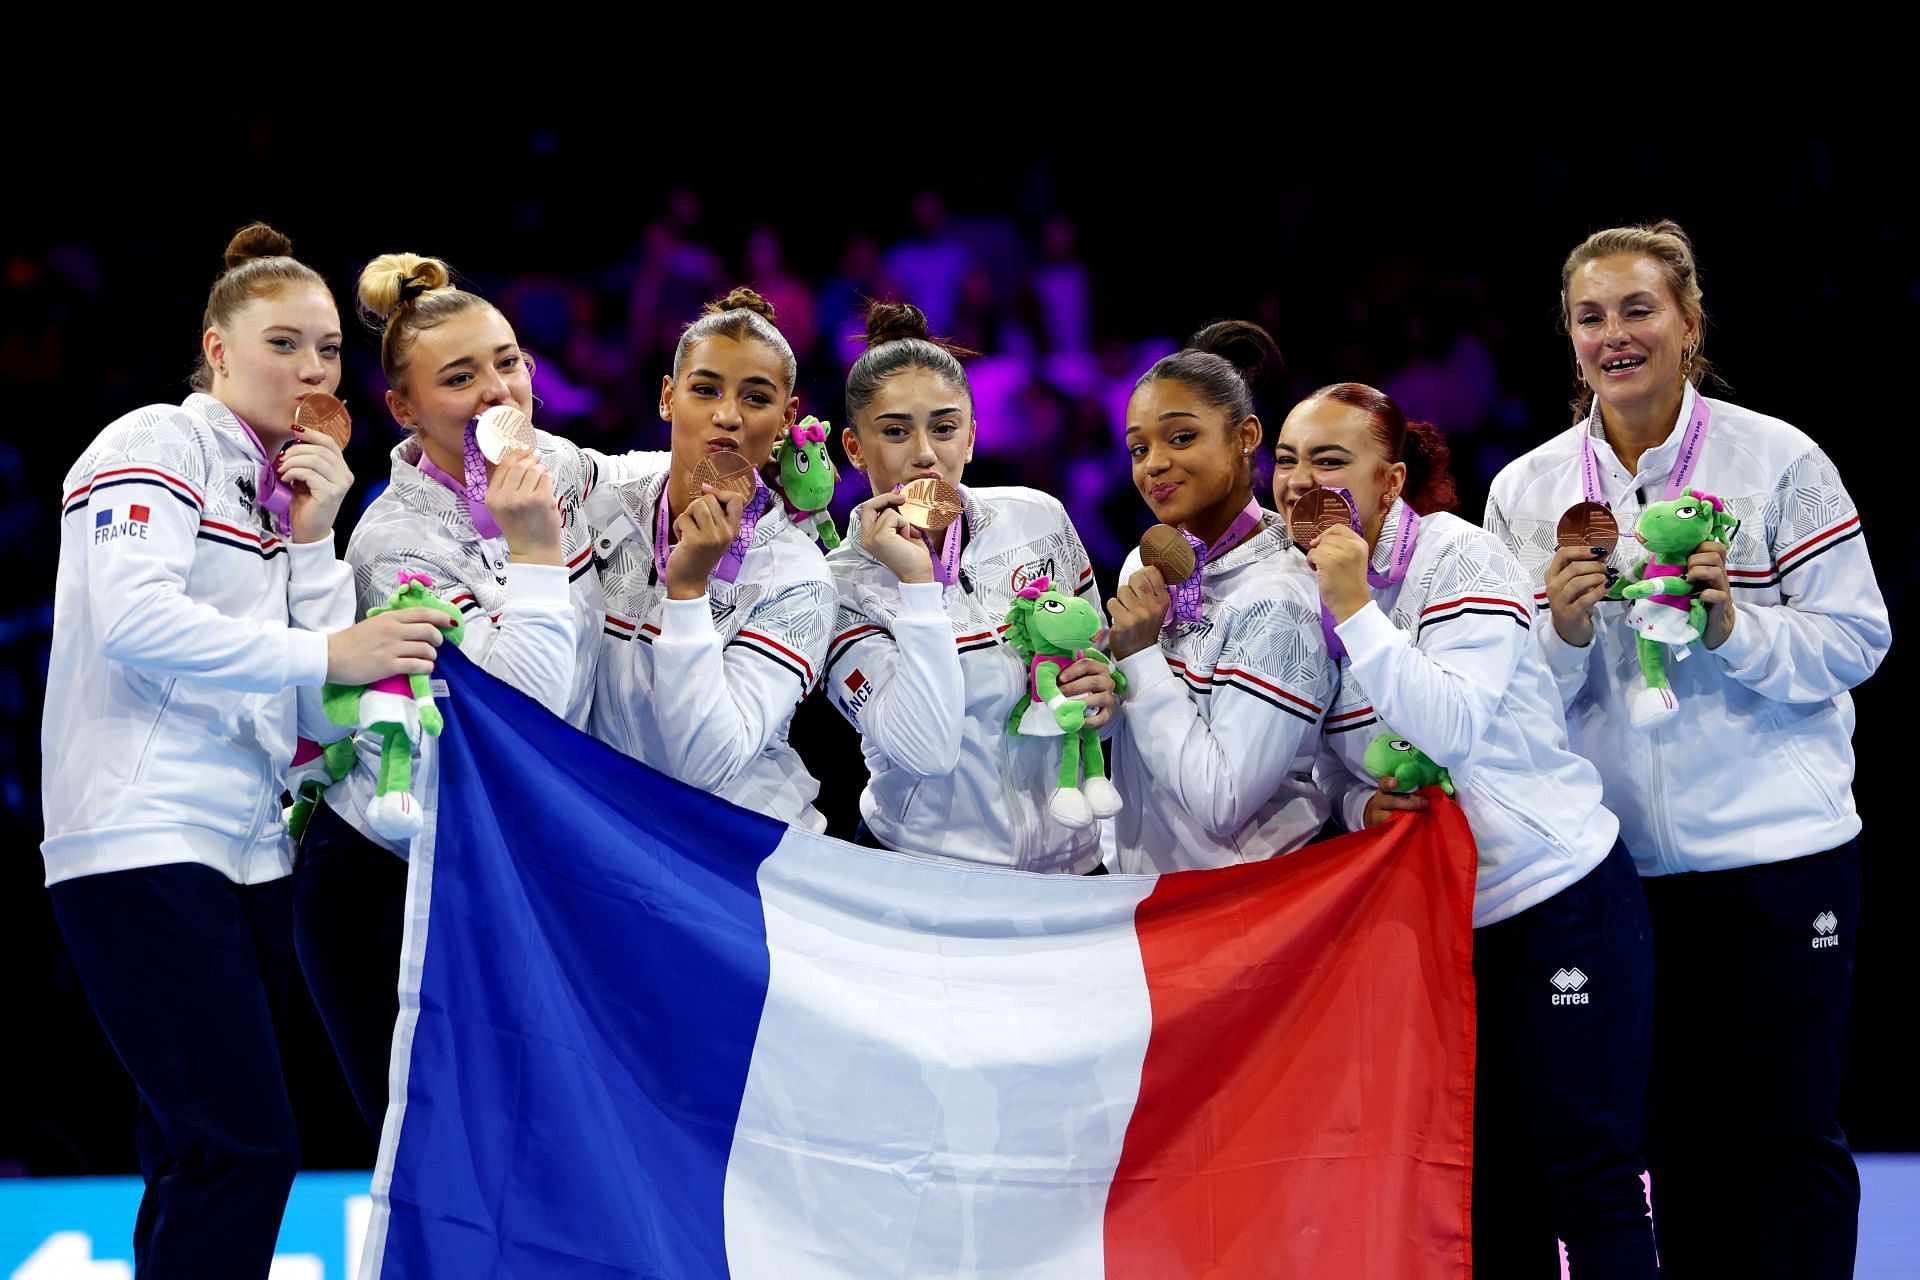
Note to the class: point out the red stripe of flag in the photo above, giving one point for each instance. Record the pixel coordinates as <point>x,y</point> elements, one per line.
<point>1305,1105</point>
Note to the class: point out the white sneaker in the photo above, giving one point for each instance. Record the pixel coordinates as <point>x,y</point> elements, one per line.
<point>395,815</point>
<point>1647,707</point>
<point>1103,796</point>
<point>1070,809</point>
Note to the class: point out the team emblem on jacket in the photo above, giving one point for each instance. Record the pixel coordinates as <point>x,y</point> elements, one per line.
<point>1025,573</point>
<point>108,524</point>
<point>1826,930</point>
<point>859,689</point>
<point>1568,984</point>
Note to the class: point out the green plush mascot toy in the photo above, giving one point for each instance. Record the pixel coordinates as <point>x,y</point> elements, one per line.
<point>807,478</point>
<point>397,710</point>
<point>1666,612</point>
<point>1391,756</point>
<point>1051,629</point>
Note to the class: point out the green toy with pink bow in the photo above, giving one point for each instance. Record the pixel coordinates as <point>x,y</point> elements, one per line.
<point>1052,630</point>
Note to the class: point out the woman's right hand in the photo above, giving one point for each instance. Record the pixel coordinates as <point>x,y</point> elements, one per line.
<point>888,538</point>
<point>1576,581</point>
<point>400,643</point>
<point>520,497</point>
<point>1385,802</point>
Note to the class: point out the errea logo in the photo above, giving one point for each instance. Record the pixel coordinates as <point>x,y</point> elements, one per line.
<point>1826,930</point>
<point>1567,984</point>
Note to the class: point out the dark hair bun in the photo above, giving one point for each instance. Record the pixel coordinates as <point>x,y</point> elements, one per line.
<point>892,321</point>
<point>742,299</point>
<point>1246,346</point>
<point>256,240</point>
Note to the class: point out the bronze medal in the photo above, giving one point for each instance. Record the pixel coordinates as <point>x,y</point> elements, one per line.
<point>503,430</point>
<point>324,413</point>
<point>1588,524</point>
<point>727,472</point>
<point>1165,548</point>
<point>1317,511</point>
<point>931,504</point>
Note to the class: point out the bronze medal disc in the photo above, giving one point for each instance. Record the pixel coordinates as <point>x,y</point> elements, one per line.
<point>1165,548</point>
<point>1317,511</point>
<point>1588,524</point>
<point>931,504</point>
<point>319,411</point>
<point>502,430</point>
<point>727,472</point>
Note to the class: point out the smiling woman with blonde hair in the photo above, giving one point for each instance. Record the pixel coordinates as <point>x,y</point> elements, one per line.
<point>1734,785</point>
<point>502,541</point>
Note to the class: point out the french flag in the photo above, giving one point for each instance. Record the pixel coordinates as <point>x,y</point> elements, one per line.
<point>646,1033</point>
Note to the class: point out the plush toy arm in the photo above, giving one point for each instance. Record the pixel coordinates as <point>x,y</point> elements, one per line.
<point>823,525</point>
<point>1069,714</point>
<point>342,703</point>
<point>431,720</point>
<point>1663,586</point>
<point>1618,591</point>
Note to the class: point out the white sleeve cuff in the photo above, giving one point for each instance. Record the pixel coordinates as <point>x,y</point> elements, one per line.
<point>544,584</point>
<point>306,658</point>
<point>921,600</point>
<point>1563,659</point>
<point>1742,643</point>
<point>1144,670</point>
<point>686,619</point>
<point>1353,807</point>
<point>1368,632</point>
<point>306,559</point>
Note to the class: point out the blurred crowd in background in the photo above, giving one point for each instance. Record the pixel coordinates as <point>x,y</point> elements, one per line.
<point>1433,276</point>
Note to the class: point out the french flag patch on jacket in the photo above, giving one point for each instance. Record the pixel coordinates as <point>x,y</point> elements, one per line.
<point>107,525</point>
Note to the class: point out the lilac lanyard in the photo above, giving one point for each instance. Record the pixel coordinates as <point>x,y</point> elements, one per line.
<point>483,522</point>
<point>1404,539</point>
<point>1188,596</point>
<point>729,567</point>
<point>946,563</point>
<point>1690,445</point>
<point>276,496</point>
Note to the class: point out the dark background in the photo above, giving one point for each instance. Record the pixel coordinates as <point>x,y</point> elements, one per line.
<point>1431,270</point>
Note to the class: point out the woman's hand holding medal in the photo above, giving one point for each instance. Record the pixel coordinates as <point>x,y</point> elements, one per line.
<point>702,535</point>
<point>887,537</point>
<point>314,467</point>
<point>520,497</point>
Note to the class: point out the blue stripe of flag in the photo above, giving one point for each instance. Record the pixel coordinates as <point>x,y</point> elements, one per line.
<point>594,972</point>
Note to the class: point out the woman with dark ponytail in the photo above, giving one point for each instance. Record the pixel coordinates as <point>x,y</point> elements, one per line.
<point>717,605</point>
<point>1428,619</point>
<point>198,609</point>
<point>1227,674</point>
<point>918,663</point>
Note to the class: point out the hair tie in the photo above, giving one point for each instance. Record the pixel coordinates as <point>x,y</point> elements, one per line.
<point>410,288</point>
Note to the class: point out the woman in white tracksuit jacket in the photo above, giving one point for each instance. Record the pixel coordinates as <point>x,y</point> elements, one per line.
<point>518,564</point>
<point>1428,620</point>
<point>1738,807</point>
<point>198,608</point>
<point>918,663</point>
<point>717,606</point>
<point>1228,678</point>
